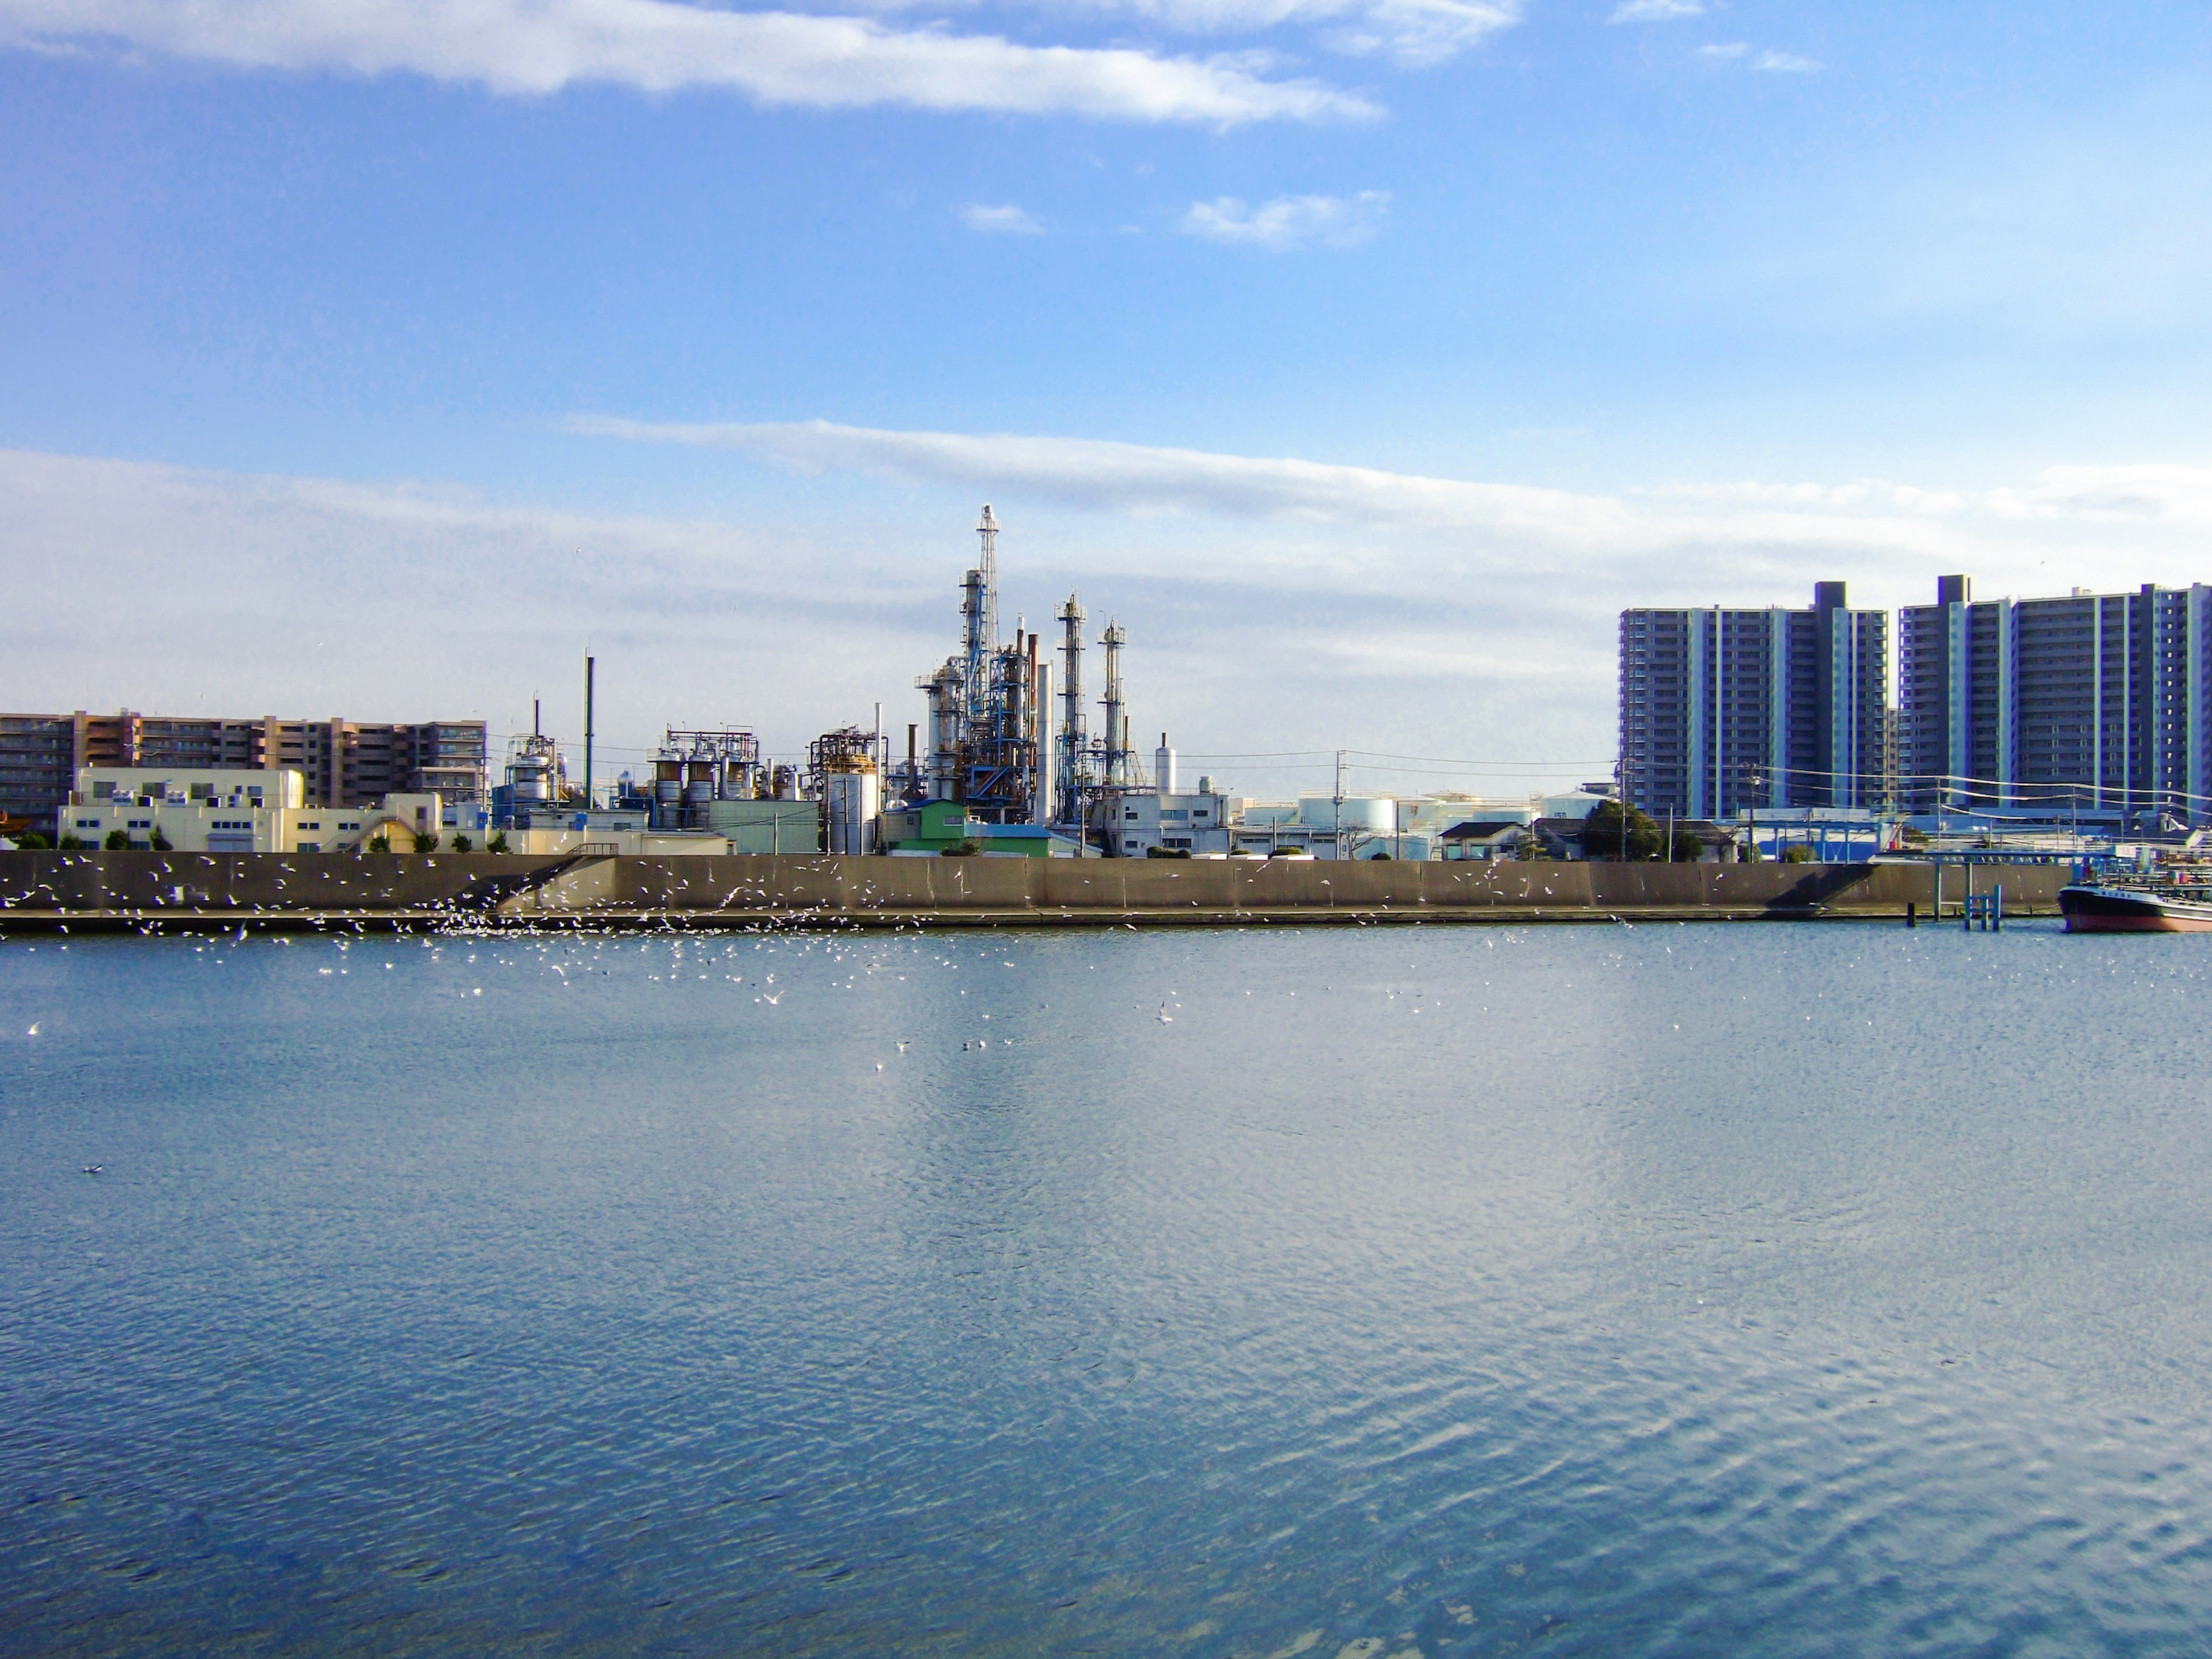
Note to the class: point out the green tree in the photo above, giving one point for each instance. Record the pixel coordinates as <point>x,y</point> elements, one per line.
<point>118,840</point>
<point>32,841</point>
<point>463,844</point>
<point>1800,853</point>
<point>70,844</point>
<point>1611,831</point>
<point>160,843</point>
<point>379,843</point>
<point>1687,848</point>
<point>497,843</point>
<point>426,843</point>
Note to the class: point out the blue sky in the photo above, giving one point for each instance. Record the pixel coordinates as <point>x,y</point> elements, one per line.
<point>1365,356</point>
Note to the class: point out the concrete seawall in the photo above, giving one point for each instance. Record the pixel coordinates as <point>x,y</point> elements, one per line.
<point>139,890</point>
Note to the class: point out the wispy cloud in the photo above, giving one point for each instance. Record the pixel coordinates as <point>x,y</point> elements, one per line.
<point>1289,221</point>
<point>1412,31</point>
<point>1004,220</point>
<point>1773,62</point>
<point>1656,11</point>
<point>775,57</point>
<point>1417,32</point>
<point>1871,515</point>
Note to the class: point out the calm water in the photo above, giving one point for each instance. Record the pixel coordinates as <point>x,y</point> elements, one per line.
<point>1727,1289</point>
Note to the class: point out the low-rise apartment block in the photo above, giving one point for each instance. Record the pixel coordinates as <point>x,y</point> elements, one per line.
<point>344,764</point>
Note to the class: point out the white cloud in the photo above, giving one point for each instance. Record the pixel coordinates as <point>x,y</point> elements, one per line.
<point>1725,51</point>
<point>1289,221</point>
<point>1875,519</point>
<point>1417,32</point>
<point>1004,220</point>
<point>775,57</point>
<point>1656,11</point>
<point>1413,32</point>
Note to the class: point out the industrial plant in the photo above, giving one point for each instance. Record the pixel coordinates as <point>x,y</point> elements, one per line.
<point>1744,734</point>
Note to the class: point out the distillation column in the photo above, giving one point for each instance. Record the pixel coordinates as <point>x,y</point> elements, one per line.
<point>1070,769</point>
<point>1116,758</point>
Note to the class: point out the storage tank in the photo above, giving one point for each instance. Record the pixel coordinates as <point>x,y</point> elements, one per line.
<point>530,777</point>
<point>1361,815</point>
<point>1164,767</point>
<point>854,800</point>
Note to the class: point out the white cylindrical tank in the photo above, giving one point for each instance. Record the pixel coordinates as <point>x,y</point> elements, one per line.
<point>1164,767</point>
<point>532,779</point>
<point>1362,814</point>
<point>854,800</point>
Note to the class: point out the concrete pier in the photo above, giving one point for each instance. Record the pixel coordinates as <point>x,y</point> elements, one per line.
<point>143,891</point>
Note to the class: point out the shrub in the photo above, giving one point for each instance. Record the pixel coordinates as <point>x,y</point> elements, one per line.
<point>32,841</point>
<point>497,843</point>
<point>118,840</point>
<point>70,844</point>
<point>1167,852</point>
<point>426,843</point>
<point>1800,853</point>
<point>463,844</point>
<point>379,843</point>
<point>1687,848</point>
<point>967,849</point>
<point>160,843</point>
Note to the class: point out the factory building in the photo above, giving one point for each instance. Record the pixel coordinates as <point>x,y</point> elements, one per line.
<point>2091,703</point>
<point>343,763</point>
<point>1723,710</point>
<point>233,810</point>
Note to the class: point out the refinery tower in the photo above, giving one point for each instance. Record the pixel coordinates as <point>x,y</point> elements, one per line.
<point>992,744</point>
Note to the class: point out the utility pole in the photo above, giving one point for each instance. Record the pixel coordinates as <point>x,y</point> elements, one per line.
<point>1336,817</point>
<point>590,663</point>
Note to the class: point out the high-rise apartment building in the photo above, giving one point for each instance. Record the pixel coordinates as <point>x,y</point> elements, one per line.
<point>1721,710</point>
<point>2095,701</point>
<point>346,762</point>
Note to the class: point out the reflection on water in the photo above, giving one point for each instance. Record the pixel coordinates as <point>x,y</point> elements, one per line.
<point>1739,1289</point>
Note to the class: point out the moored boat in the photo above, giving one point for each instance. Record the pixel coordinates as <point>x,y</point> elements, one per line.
<point>2160,908</point>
